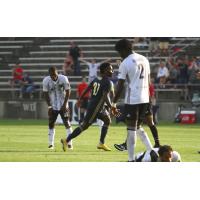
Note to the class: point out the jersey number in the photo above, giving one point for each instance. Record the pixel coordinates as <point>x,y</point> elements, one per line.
<point>141,68</point>
<point>96,87</point>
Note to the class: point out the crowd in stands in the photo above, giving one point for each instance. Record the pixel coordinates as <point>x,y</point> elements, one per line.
<point>181,70</point>
<point>171,70</point>
<point>22,81</point>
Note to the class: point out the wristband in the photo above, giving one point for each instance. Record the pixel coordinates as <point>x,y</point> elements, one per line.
<point>114,105</point>
<point>49,107</point>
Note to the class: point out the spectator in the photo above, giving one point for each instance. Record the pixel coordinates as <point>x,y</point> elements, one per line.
<point>173,71</point>
<point>93,68</point>
<point>84,102</point>
<point>75,53</point>
<point>67,67</point>
<point>153,45</point>
<point>162,74</point>
<point>17,78</point>
<point>183,70</point>
<point>164,45</point>
<point>28,86</point>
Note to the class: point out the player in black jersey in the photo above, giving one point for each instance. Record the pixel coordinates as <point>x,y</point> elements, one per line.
<point>100,90</point>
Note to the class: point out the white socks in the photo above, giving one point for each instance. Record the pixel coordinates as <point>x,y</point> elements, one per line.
<point>131,143</point>
<point>68,132</point>
<point>51,136</point>
<point>144,138</point>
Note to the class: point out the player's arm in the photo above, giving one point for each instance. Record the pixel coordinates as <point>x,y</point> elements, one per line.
<point>119,89</point>
<point>47,99</point>
<point>67,93</point>
<point>46,96</point>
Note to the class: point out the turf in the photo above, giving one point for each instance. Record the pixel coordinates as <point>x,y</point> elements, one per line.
<point>26,141</point>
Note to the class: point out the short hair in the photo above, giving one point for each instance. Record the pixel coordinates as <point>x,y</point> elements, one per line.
<point>104,66</point>
<point>123,44</point>
<point>52,69</point>
<point>163,149</point>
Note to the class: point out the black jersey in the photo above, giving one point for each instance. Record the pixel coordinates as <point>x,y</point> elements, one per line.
<point>98,89</point>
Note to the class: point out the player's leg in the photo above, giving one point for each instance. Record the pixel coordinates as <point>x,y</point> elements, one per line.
<point>143,136</point>
<point>65,118</point>
<point>140,131</point>
<point>153,128</point>
<point>85,124</point>
<point>132,112</point>
<point>105,118</point>
<point>51,135</point>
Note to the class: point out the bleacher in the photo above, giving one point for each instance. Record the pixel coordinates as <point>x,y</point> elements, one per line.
<point>36,55</point>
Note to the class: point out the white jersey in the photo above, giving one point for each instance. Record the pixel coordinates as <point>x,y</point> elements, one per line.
<point>93,68</point>
<point>56,90</point>
<point>135,70</point>
<point>148,156</point>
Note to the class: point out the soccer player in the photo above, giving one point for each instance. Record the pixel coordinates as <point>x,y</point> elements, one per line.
<point>135,70</point>
<point>100,90</point>
<point>56,90</point>
<point>164,153</point>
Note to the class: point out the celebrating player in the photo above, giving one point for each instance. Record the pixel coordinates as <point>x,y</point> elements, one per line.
<point>56,90</point>
<point>100,90</point>
<point>164,153</point>
<point>136,70</point>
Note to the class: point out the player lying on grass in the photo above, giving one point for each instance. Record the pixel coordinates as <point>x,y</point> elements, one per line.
<point>151,125</point>
<point>164,153</point>
<point>100,90</point>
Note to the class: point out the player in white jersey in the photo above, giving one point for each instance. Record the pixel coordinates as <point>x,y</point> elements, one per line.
<point>135,70</point>
<point>93,68</point>
<point>56,90</point>
<point>164,153</point>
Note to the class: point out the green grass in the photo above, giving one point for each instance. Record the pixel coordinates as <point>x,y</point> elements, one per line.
<point>27,141</point>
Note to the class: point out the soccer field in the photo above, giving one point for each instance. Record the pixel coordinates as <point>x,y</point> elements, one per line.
<point>26,140</point>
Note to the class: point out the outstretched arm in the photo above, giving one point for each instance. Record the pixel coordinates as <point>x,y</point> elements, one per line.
<point>82,60</point>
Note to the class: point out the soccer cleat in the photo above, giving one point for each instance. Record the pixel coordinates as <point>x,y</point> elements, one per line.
<point>121,147</point>
<point>198,151</point>
<point>50,147</point>
<point>104,147</point>
<point>70,146</point>
<point>64,144</point>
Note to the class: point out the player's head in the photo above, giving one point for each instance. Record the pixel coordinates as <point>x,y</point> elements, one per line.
<point>124,48</point>
<point>106,69</point>
<point>53,73</point>
<point>165,153</point>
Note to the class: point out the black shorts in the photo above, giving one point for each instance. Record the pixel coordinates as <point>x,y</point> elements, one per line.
<point>149,110</point>
<point>84,103</point>
<point>64,115</point>
<point>92,115</point>
<point>136,112</point>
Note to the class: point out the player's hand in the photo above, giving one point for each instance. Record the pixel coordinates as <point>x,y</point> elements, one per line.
<point>115,111</point>
<point>64,108</point>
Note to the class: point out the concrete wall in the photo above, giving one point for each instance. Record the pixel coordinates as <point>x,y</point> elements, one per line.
<point>38,110</point>
<point>168,110</point>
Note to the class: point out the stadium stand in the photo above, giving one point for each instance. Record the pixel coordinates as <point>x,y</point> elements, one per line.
<point>37,54</point>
